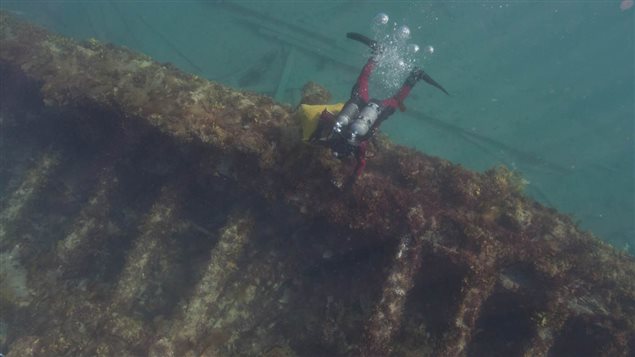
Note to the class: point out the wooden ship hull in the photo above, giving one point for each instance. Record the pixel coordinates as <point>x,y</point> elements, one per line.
<point>146,211</point>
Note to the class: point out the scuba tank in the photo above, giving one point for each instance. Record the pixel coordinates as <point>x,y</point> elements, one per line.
<point>364,122</point>
<point>349,111</point>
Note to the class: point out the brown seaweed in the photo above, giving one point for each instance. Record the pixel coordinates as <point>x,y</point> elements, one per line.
<point>151,212</point>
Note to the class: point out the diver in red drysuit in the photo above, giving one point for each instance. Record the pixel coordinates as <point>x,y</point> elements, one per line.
<point>348,132</point>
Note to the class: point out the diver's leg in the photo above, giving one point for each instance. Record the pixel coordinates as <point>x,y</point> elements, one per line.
<point>396,100</point>
<point>360,158</point>
<point>360,89</point>
<point>359,98</point>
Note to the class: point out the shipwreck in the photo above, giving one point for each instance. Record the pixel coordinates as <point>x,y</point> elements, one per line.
<point>146,211</point>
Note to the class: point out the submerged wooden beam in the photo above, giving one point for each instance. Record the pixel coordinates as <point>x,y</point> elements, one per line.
<point>204,186</point>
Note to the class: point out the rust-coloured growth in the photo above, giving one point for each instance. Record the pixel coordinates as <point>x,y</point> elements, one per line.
<point>146,211</point>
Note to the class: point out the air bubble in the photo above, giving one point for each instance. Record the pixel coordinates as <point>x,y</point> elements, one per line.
<point>428,49</point>
<point>381,19</point>
<point>403,32</point>
<point>413,48</point>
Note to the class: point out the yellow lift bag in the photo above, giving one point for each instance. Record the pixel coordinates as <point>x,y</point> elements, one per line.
<point>310,114</point>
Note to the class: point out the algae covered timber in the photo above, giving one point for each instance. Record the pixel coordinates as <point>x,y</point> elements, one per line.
<point>146,211</point>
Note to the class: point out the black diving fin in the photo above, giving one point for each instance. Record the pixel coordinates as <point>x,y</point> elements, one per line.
<point>363,39</point>
<point>423,75</point>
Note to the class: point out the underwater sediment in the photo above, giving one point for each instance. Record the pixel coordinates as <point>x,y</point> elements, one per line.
<point>146,211</point>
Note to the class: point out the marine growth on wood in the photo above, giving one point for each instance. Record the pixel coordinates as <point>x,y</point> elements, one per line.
<point>146,211</point>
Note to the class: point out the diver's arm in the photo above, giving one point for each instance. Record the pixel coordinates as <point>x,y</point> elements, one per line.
<point>396,101</point>
<point>360,156</point>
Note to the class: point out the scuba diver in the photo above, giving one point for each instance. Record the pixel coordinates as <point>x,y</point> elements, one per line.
<point>347,132</point>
